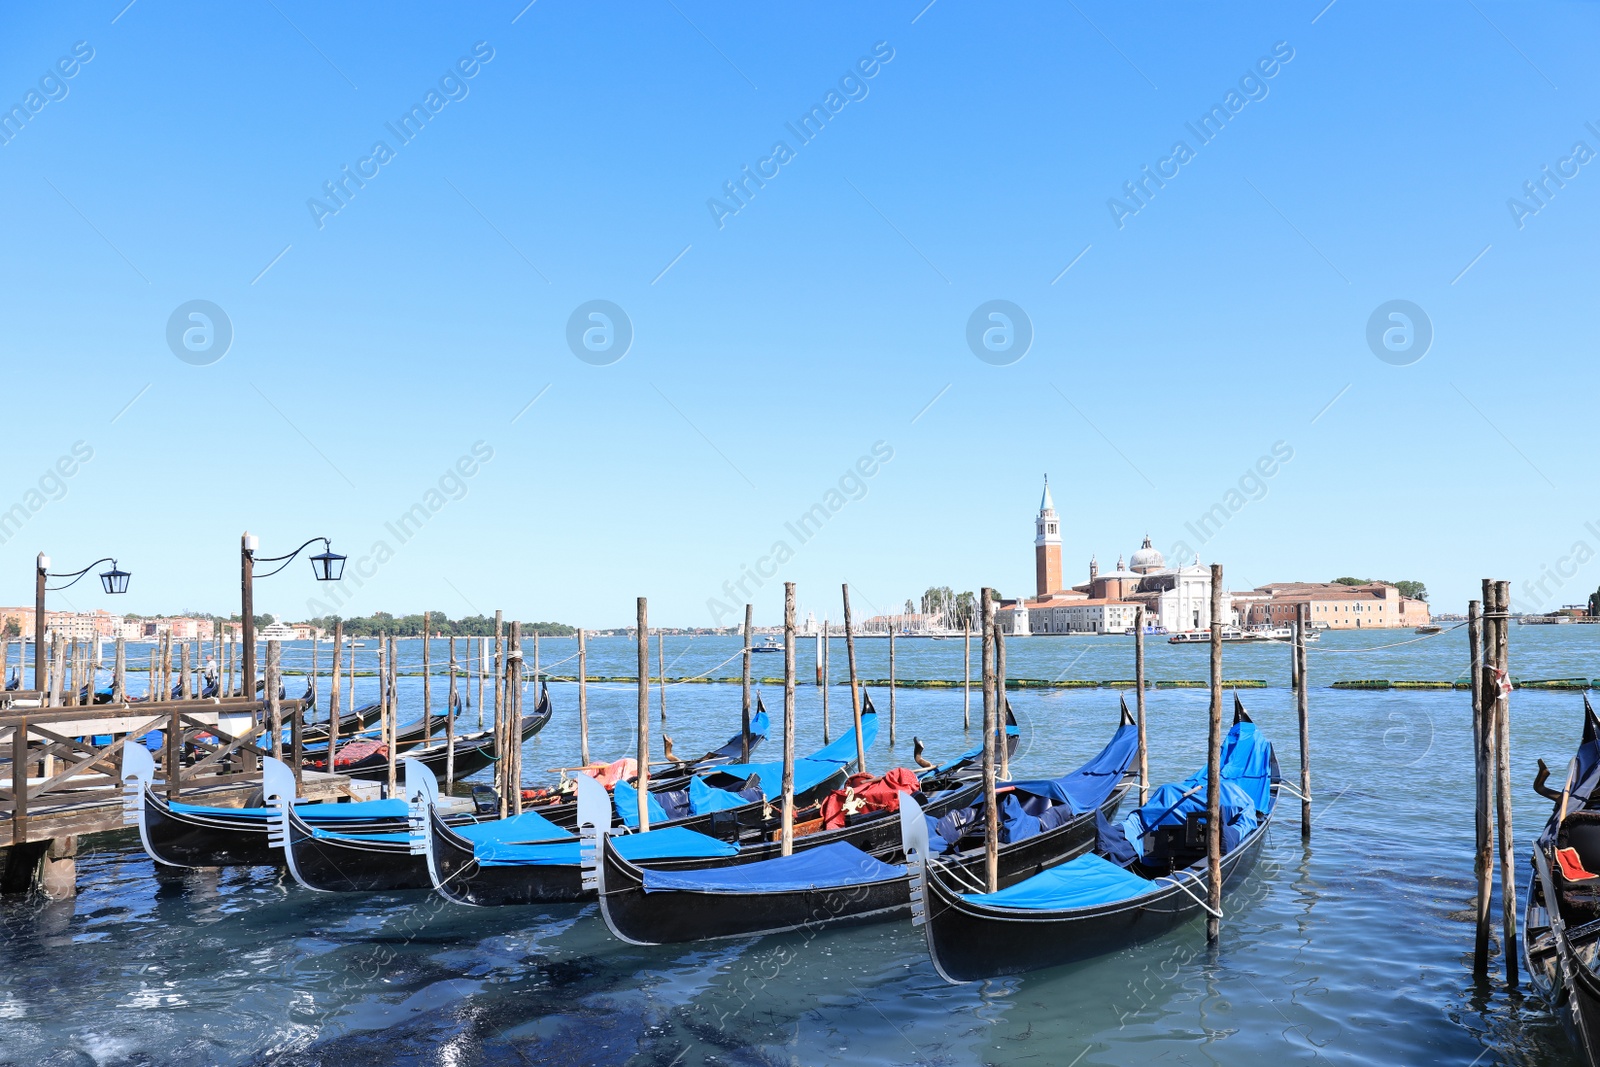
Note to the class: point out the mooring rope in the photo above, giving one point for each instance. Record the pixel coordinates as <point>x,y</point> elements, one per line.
<point>1379,648</point>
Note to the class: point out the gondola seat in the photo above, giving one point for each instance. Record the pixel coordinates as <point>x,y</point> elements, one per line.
<point>1577,868</point>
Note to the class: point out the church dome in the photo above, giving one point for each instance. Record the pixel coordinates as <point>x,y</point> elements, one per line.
<point>1147,559</point>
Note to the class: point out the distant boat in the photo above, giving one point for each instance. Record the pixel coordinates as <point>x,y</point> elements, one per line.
<point>276,632</point>
<point>1430,629</point>
<point>768,644</point>
<point>1154,629</point>
<point>1232,634</point>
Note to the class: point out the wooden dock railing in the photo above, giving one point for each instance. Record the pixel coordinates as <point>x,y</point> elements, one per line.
<point>53,759</point>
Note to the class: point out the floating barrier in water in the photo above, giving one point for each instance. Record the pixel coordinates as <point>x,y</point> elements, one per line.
<point>1556,683</point>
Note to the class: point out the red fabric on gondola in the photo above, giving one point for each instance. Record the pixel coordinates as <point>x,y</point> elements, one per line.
<point>865,793</point>
<point>1572,868</point>
<point>357,751</point>
<point>609,774</point>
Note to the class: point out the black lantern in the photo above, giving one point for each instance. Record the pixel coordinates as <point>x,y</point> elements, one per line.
<point>115,580</point>
<point>327,565</point>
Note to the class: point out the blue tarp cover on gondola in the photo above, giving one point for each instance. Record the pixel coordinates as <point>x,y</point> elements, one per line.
<point>1247,765</point>
<point>814,769</point>
<point>704,798</point>
<point>625,798</point>
<point>395,836</point>
<point>528,828</point>
<point>1078,883</point>
<point>674,842</point>
<point>1247,762</point>
<point>826,867</point>
<point>837,754</point>
<point>1169,806</point>
<point>1029,808</point>
<point>362,809</point>
<point>1086,788</point>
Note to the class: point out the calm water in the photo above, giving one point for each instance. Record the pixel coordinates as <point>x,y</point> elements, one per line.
<point>1354,949</point>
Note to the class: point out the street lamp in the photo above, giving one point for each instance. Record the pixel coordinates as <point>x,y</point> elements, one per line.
<point>113,581</point>
<point>326,566</point>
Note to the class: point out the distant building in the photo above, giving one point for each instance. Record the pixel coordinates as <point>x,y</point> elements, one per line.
<point>68,625</point>
<point>1334,606</point>
<point>1176,597</point>
<point>180,628</point>
<point>906,622</point>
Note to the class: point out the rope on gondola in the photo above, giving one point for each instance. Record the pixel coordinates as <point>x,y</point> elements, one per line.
<point>955,872</point>
<point>1285,786</point>
<point>1173,878</point>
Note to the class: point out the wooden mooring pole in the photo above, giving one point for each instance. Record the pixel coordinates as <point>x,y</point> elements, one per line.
<point>1502,746</point>
<point>966,678</point>
<point>393,687</point>
<point>786,846</point>
<point>514,713</point>
<point>119,684</point>
<point>1001,703</point>
<point>643,781</point>
<point>855,692</point>
<point>744,697</point>
<point>1482,760</point>
<point>583,699</point>
<point>450,722</point>
<point>661,672</point>
<point>1214,766</point>
<point>1302,704</point>
<point>274,705</point>
<point>891,685</point>
<point>991,807</point>
<point>501,781</point>
<point>333,694</point>
<point>427,683</point>
<point>826,681</point>
<point>1138,684</point>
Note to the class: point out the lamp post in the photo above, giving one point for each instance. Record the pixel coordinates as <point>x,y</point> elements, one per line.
<point>327,566</point>
<point>113,581</point>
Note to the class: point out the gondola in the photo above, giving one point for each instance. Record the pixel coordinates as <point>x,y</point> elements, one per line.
<point>549,874</point>
<point>195,835</point>
<point>350,725</point>
<point>474,751</point>
<point>563,810</point>
<point>1147,874</point>
<point>1561,944</point>
<point>340,860</point>
<point>857,873</point>
<point>678,774</point>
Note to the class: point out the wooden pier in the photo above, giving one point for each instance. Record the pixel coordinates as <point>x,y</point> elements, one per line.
<point>60,770</point>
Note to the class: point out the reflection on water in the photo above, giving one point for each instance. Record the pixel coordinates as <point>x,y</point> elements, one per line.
<point>1353,947</point>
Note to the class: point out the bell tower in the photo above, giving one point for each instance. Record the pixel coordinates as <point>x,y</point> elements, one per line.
<point>1047,545</point>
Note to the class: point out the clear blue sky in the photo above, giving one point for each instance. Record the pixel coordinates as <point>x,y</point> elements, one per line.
<point>976,164</point>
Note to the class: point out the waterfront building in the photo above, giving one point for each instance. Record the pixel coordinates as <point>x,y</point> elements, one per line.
<point>1176,597</point>
<point>1334,606</point>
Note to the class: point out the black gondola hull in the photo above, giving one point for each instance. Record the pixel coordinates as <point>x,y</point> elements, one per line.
<point>1569,987</point>
<point>678,916</point>
<point>349,865</point>
<point>458,876</point>
<point>180,839</point>
<point>219,839</point>
<point>970,942</point>
<point>473,753</point>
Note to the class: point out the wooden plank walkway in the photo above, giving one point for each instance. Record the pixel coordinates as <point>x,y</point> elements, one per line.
<point>61,766</point>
